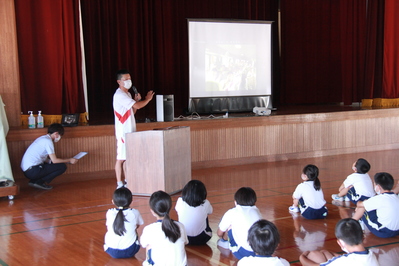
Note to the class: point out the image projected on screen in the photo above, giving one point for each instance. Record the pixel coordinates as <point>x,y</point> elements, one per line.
<point>230,68</point>
<point>229,58</point>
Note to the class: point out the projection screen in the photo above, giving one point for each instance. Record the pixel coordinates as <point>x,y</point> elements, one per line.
<point>229,58</point>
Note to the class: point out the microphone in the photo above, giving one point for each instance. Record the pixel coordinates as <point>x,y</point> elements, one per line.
<point>135,90</point>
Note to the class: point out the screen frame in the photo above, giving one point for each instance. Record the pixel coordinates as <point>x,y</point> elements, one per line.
<point>266,92</point>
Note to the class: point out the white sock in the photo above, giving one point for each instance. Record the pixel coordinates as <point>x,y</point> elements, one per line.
<point>119,184</point>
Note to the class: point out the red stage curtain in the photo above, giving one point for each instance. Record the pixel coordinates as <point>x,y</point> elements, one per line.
<point>374,50</point>
<point>150,38</point>
<point>322,50</point>
<point>382,57</point>
<point>49,56</point>
<point>390,83</point>
<point>352,34</point>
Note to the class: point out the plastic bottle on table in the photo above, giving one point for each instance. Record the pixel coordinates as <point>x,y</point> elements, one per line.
<point>40,121</point>
<point>31,120</point>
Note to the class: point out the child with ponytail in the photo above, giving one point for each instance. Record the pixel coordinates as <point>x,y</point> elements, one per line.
<point>121,240</point>
<point>165,239</point>
<point>308,197</point>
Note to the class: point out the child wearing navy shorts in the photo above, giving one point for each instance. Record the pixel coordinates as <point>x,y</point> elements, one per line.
<point>235,223</point>
<point>380,213</point>
<point>121,240</point>
<point>308,197</point>
<point>193,209</point>
<point>358,185</point>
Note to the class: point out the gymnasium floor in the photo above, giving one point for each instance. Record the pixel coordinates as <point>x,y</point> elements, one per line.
<point>66,225</point>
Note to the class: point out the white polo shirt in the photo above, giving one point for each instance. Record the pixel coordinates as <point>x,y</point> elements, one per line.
<point>362,184</point>
<point>37,153</point>
<point>386,206</point>
<point>124,115</point>
<point>313,198</point>
<point>163,251</point>
<point>240,218</point>
<point>193,218</point>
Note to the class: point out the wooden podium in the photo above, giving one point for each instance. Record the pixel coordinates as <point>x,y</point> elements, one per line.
<point>158,160</point>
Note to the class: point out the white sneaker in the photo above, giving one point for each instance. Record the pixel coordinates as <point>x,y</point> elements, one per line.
<point>119,184</point>
<point>293,209</point>
<point>346,198</point>
<point>336,197</point>
<point>295,214</point>
<point>223,244</point>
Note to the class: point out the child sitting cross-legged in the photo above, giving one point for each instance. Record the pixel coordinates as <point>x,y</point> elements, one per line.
<point>165,239</point>
<point>121,239</point>
<point>193,209</point>
<point>349,235</point>
<point>380,213</point>
<point>308,197</point>
<point>235,223</point>
<point>358,185</point>
<point>263,237</point>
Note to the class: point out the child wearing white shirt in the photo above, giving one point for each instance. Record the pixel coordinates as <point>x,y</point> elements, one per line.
<point>165,239</point>
<point>193,209</point>
<point>121,240</point>
<point>308,197</point>
<point>235,223</point>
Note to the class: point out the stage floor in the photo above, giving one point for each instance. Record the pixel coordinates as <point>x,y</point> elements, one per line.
<point>66,225</point>
<point>280,110</point>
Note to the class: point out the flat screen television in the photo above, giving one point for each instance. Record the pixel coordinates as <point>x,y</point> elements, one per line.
<point>230,65</point>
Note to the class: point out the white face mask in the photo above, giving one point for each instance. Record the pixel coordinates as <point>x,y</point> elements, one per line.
<point>342,245</point>
<point>344,250</point>
<point>127,84</point>
<point>377,190</point>
<point>57,139</point>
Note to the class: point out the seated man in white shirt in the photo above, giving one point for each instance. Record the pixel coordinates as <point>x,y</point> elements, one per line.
<point>40,164</point>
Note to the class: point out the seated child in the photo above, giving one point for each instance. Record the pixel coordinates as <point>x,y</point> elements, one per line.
<point>350,238</point>
<point>263,237</point>
<point>165,239</point>
<point>357,186</point>
<point>121,240</point>
<point>308,195</point>
<point>235,223</point>
<point>193,209</point>
<point>379,213</point>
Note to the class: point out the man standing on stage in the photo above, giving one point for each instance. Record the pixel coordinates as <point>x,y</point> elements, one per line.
<point>124,109</point>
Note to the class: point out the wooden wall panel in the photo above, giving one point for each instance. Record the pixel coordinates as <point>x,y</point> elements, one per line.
<point>233,141</point>
<point>101,157</point>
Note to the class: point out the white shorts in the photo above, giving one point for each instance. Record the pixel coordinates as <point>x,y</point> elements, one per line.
<point>120,150</point>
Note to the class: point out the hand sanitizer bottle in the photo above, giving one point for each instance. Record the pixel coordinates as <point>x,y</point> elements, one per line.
<point>40,121</point>
<point>31,120</point>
